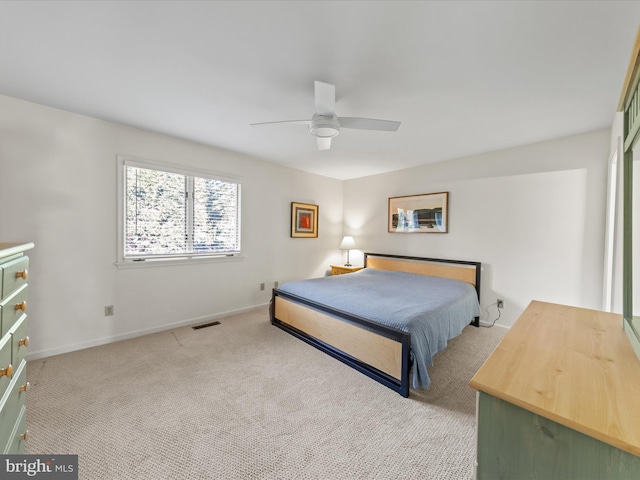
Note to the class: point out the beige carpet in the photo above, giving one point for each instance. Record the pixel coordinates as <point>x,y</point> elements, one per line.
<point>245,400</point>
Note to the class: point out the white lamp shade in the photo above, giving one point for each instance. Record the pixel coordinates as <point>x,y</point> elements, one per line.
<point>347,243</point>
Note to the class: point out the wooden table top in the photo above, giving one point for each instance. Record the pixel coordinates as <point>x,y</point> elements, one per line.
<point>571,365</point>
<point>7,248</point>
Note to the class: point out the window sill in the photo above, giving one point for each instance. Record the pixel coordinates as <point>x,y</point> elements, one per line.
<point>167,262</point>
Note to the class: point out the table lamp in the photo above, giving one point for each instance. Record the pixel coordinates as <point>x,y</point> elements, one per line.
<point>347,244</point>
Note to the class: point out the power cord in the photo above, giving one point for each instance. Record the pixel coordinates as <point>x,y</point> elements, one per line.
<point>494,322</point>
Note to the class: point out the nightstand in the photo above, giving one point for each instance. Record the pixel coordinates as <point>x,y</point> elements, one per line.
<point>341,269</point>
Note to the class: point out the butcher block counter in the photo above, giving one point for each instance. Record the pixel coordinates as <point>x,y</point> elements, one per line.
<point>559,398</point>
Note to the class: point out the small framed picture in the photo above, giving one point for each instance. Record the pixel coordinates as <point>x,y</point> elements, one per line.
<point>304,220</point>
<point>426,213</point>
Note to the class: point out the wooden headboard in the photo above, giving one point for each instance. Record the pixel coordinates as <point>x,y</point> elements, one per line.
<point>461,270</point>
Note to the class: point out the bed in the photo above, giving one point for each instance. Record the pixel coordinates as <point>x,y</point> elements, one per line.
<point>387,320</point>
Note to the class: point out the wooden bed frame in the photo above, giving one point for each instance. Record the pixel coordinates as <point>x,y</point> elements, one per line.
<point>376,350</point>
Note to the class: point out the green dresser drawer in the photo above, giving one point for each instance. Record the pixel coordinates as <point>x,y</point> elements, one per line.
<point>14,275</point>
<point>19,340</point>
<point>18,437</point>
<point>5,362</point>
<point>12,402</point>
<point>12,308</point>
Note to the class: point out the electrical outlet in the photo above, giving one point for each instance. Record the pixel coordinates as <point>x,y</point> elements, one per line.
<point>500,303</point>
<point>108,311</point>
<point>262,286</point>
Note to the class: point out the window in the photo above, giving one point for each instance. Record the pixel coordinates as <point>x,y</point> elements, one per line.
<point>169,212</point>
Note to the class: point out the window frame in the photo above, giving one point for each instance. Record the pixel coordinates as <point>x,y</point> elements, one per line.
<point>169,259</point>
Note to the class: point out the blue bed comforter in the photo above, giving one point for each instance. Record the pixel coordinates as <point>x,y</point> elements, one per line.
<point>433,310</point>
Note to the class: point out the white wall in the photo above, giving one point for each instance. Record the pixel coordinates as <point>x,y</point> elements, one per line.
<point>58,173</point>
<point>616,287</point>
<point>533,215</point>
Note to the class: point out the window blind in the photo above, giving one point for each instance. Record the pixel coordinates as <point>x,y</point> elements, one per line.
<point>171,214</point>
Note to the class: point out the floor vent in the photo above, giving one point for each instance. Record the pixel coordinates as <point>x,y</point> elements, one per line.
<point>205,325</point>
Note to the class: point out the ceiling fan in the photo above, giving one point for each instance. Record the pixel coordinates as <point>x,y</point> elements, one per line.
<point>325,125</point>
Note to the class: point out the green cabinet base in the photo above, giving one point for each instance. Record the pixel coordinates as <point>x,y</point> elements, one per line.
<point>514,443</point>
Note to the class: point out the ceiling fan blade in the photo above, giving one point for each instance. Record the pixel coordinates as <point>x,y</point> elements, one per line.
<point>301,122</point>
<point>369,124</point>
<point>324,143</point>
<point>325,99</point>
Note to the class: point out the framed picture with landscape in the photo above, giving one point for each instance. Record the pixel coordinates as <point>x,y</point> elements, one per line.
<point>304,220</point>
<point>426,213</point>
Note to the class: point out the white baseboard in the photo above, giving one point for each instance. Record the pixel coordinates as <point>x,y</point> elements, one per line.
<point>137,333</point>
<point>496,325</point>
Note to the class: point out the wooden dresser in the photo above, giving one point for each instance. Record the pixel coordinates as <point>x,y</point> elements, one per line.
<point>13,345</point>
<point>559,398</point>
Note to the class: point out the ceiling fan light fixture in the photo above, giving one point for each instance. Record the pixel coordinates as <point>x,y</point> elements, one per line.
<point>324,127</point>
<point>324,131</point>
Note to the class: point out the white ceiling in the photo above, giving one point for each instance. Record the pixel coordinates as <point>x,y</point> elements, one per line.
<point>462,77</point>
